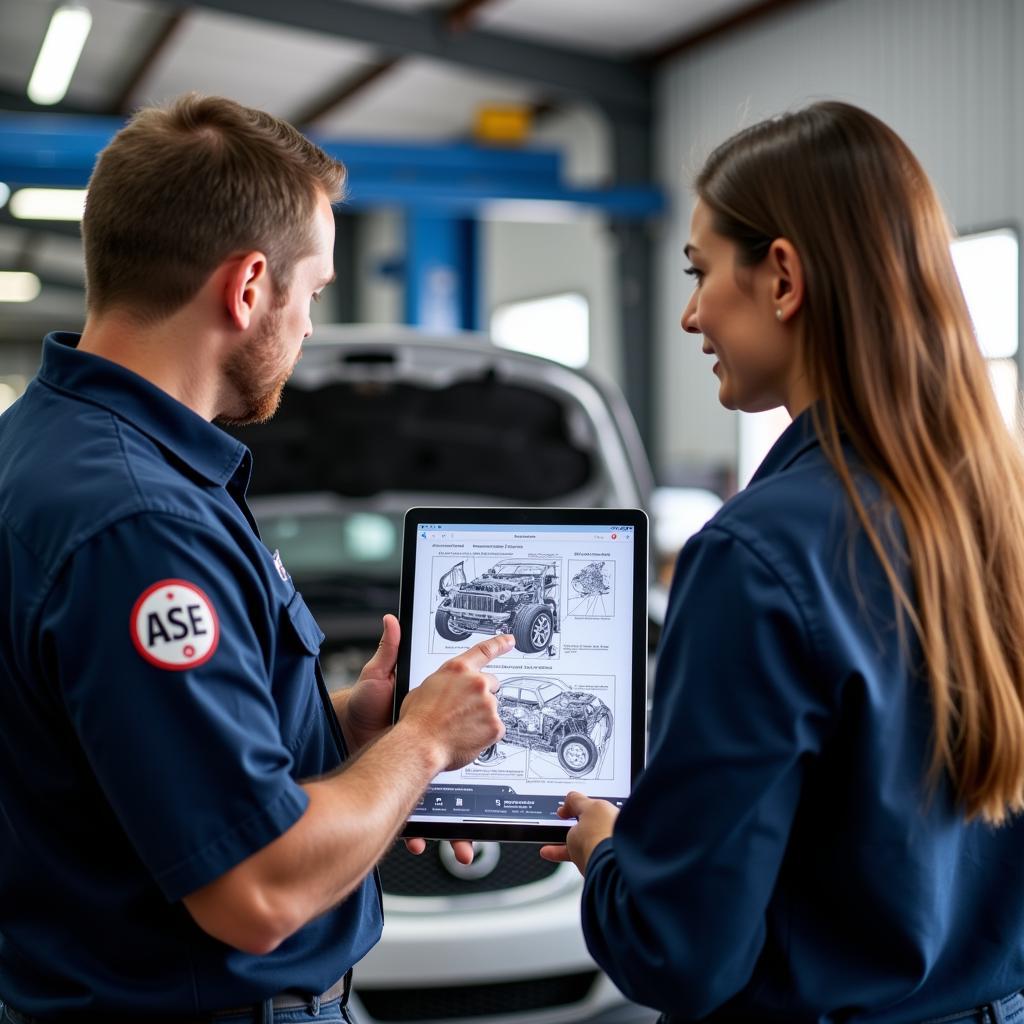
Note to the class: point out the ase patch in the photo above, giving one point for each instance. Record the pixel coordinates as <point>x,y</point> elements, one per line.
<point>174,626</point>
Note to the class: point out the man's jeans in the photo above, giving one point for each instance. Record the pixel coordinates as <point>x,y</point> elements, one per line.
<point>316,1013</point>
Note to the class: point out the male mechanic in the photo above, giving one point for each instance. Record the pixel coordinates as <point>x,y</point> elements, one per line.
<point>188,826</point>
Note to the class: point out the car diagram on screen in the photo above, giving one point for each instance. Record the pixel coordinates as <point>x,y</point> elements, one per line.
<point>517,596</point>
<point>565,732</point>
<point>591,589</point>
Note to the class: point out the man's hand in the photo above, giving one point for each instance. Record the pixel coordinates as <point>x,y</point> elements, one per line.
<point>487,650</point>
<point>596,820</point>
<point>456,704</point>
<point>364,711</point>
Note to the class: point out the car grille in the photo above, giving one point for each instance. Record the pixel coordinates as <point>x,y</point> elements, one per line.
<point>474,602</point>
<point>457,1002</point>
<point>403,874</point>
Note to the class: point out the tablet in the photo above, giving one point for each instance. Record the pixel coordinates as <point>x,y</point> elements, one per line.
<point>571,586</point>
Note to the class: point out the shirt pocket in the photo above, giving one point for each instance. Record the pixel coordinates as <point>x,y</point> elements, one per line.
<point>308,633</point>
<point>295,688</point>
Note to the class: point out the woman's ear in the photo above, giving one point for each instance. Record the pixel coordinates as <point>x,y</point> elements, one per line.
<point>245,285</point>
<point>787,279</point>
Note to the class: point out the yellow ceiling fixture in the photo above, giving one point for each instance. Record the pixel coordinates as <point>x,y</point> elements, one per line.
<point>58,56</point>
<point>504,124</point>
<point>48,203</point>
<point>18,286</point>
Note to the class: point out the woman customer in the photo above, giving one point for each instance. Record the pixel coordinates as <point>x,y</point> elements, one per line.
<point>828,827</point>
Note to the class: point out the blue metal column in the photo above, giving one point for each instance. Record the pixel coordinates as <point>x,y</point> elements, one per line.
<point>442,274</point>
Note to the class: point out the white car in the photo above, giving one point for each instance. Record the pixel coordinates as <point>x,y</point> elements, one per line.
<point>373,421</point>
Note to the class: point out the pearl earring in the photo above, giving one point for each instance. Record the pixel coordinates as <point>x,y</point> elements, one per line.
<point>778,314</point>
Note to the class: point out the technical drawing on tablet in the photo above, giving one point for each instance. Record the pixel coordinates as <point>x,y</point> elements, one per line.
<point>541,715</point>
<point>568,689</point>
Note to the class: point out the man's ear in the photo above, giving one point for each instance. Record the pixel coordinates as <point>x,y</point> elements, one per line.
<point>787,279</point>
<point>246,287</point>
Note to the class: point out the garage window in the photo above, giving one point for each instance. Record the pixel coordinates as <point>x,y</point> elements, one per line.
<point>758,431</point>
<point>10,389</point>
<point>987,264</point>
<point>988,268</point>
<point>556,327</point>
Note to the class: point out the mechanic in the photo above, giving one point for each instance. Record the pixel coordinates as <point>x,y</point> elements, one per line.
<point>828,828</point>
<point>189,826</point>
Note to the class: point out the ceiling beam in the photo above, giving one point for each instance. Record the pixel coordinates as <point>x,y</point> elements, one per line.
<point>461,17</point>
<point>456,19</point>
<point>345,90</point>
<point>172,22</point>
<point>617,85</point>
<point>740,19</point>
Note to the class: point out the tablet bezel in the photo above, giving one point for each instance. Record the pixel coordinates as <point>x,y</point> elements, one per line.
<point>632,517</point>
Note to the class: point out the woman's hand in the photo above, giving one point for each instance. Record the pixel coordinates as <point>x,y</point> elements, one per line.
<point>595,822</point>
<point>463,849</point>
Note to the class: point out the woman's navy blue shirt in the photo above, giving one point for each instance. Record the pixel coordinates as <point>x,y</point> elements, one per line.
<point>159,701</point>
<point>783,857</point>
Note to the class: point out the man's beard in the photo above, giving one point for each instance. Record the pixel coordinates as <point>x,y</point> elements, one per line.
<point>254,376</point>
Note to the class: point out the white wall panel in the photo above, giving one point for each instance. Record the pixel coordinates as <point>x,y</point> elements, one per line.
<point>529,260</point>
<point>941,72</point>
<point>608,27</point>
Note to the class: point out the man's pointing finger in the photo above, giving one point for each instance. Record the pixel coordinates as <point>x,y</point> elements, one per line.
<point>487,650</point>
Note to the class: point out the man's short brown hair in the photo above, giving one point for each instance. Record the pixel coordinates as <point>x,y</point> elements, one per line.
<point>181,188</point>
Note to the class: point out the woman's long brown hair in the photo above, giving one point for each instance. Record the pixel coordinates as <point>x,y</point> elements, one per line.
<point>891,355</point>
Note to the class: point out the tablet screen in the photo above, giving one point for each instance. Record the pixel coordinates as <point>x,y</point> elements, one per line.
<point>567,593</point>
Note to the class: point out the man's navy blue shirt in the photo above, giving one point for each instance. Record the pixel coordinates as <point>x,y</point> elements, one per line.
<point>159,698</point>
<point>783,857</point>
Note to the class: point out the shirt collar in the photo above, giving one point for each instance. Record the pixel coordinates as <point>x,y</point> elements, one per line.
<point>194,441</point>
<point>797,438</point>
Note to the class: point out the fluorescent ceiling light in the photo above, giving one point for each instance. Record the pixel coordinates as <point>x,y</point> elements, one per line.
<point>16,286</point>
<point>58,56</point>
<point>48,203</point>
<point>5,193</point>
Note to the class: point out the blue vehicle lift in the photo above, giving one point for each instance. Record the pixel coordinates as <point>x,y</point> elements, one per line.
<point>442,189</point>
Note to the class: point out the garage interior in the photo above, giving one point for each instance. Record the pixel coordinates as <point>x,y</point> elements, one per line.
<point>519,169</point>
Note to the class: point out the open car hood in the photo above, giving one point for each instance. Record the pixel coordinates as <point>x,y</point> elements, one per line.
<point>370,412</point>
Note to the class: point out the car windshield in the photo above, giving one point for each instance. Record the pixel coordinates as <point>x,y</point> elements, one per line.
<point>549,691</point>
<point>355,545</point>
<point>518,569</point>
